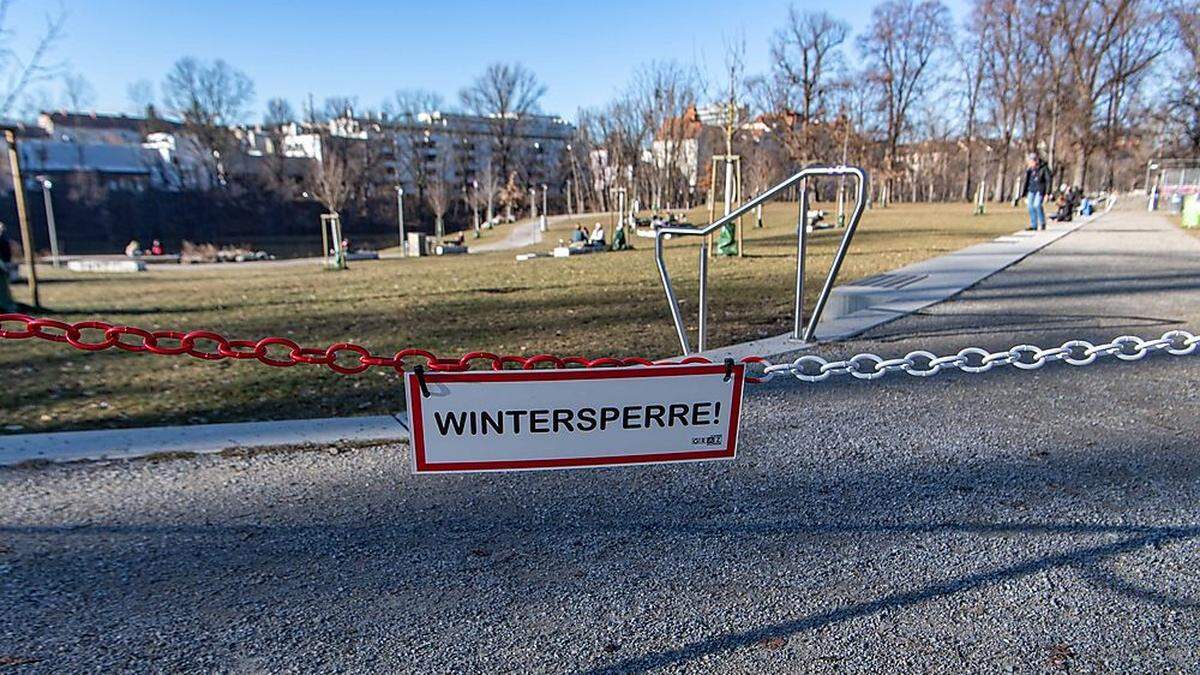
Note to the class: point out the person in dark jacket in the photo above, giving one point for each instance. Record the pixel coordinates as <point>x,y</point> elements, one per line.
<point>1034,189</point>
<point>7,304</point>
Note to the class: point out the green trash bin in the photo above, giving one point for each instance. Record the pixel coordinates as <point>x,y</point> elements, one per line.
<point>1191,211</point>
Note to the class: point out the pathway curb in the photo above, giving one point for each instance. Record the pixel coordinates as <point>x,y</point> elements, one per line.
<point>107,444</point>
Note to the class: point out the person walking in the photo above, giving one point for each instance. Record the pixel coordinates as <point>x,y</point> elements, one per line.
<point>7,305</point>
<point>1034,189</point>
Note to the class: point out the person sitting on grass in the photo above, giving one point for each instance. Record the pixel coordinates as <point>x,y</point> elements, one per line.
<point>619,243</point>
<point>156,248</point>
<point>579,236</point>
<point>597,238</point>
<point>1066,205</point>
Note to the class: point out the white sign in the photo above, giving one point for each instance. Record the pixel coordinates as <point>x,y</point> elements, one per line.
<point>544,419</point>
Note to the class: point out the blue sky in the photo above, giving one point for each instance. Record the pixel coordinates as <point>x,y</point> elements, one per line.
<point>584,52</point>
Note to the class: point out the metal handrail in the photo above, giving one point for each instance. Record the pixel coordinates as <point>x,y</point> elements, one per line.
<point>802,232</point>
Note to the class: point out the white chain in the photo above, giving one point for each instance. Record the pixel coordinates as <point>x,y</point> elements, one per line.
<point>920,363</point>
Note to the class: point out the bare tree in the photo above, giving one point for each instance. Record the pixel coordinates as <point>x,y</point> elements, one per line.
<point>504,93</point>
<point>1089,31</point>
<point>663,92</point>
<point>331,179</point>
<point>339,106</point>
<point>805,55</point>
<point>411,139</point>
<point>35,101</point>
<point>1009,62</point>
<point>140,95</point>
<point>971,56</point>
<point>1183,96</point>
<point>489,185</point>
<point>20,71</point>
<point>763,164</point>
<point>624,133</point>
<point>278,117</point>
<point>209,97</point>
<point>279,112</point>
<point>78,93</point>
<point>439,194</point>
<point>587,150</point>
<point>900,47</point>
<point>1140,41</point>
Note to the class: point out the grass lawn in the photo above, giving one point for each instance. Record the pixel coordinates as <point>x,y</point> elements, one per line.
<point>607,304</point>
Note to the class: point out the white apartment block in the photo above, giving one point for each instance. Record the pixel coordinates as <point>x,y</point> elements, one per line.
<point>459,147</point>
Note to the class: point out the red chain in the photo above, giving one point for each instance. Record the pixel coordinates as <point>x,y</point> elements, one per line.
<point>343,357</point>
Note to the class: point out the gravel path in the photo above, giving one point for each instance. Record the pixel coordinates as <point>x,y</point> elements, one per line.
<point>1007,521</point>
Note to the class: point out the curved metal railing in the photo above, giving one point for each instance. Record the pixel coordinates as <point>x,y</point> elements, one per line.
<point>802,177</point>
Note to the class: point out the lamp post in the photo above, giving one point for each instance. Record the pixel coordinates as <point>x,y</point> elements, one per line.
<point>1152,192</point>
<point>400,220</point>
<point>542,221</point>
<point>475,206</point>
<point>46,185</point>
<point>532,203</point>
<point>570,208</point>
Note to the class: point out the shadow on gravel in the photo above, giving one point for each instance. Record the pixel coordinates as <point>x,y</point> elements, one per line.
<point>1083,557</point>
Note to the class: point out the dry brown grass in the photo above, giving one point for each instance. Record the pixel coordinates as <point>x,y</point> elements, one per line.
<point>594,305</point>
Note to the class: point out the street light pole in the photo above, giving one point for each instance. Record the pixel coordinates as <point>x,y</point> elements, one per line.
<point>542,222</point>
<point>46,185</point>
<point>400,219</point>
<point>475,206</point>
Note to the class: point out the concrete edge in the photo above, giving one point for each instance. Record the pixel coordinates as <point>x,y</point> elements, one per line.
<point>111,444</point>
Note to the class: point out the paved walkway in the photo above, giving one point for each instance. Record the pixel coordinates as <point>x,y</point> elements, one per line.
<point>859,306</point>
<point>526,233</point>
<point>1006,521</point>
<point>522,233</point>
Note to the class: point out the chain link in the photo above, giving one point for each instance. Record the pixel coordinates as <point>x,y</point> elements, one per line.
<point>921,363</point>
<point>348,358</point>
<point>345,358</point>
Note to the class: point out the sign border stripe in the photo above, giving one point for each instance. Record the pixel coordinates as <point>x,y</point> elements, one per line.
<point>417,435</point>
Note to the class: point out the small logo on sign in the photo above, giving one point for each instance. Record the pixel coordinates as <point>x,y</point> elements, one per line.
<point>709,441</point>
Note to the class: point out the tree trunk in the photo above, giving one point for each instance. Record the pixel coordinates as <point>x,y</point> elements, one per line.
<point>1001,170</point>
